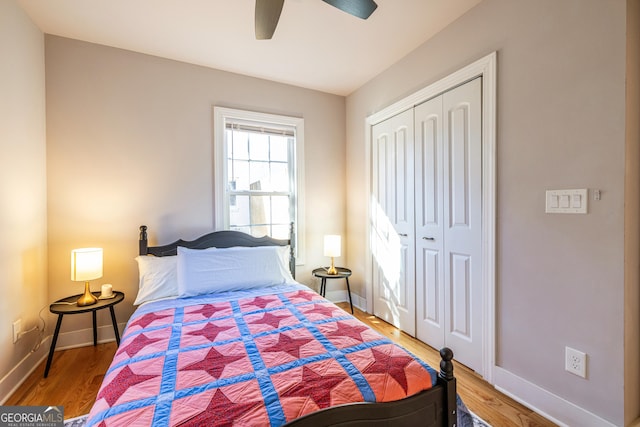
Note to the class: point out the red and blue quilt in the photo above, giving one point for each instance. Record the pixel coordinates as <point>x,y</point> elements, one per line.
<point>262,357</point>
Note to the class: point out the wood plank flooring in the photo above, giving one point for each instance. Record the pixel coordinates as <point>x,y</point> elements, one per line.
<point>73,382</point>
<point>76,374</point>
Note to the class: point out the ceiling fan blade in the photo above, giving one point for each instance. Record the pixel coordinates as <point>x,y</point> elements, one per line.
<point>267,16</point>
<point>360,8</point>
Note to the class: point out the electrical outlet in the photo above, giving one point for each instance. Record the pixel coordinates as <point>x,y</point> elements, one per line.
<point>17,328</point>
<point>575,362</point>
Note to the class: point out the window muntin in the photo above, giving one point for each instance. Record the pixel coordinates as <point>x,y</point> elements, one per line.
<point>259,181</point>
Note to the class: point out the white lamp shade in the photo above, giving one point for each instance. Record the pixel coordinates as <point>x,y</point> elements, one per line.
<point>86,264</point>
<point>332,245</point>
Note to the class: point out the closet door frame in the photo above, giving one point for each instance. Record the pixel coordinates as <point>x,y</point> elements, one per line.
<point>486,68</point>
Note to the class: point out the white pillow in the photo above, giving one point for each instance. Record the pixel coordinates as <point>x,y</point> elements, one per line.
<point>285,255</point>
<point>203,271</point>
<point>158,278</point>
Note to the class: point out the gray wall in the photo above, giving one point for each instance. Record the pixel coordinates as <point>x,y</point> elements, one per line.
<point>129,142</point>
<point>560,125</point>
<point>23,187</point>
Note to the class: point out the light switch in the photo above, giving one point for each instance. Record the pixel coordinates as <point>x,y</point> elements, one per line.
<point>566,201</point>
<point>576,201</point>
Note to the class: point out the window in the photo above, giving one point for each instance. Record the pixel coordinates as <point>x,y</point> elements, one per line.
<point>258,159</point>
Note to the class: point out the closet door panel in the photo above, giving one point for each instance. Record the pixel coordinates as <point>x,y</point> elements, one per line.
<point>429,297</point>
<point>458,164</point>
<point>401,178</point>
<point>393,221</point>
<point>463,231</point>
<point>460,296</point>
<point>429,223</point>
<point>379,222</point>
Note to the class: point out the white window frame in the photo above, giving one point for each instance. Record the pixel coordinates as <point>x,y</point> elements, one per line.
<point>221,197</point>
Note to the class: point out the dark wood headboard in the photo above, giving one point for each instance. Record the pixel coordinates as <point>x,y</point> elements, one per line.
<point>218,239</point>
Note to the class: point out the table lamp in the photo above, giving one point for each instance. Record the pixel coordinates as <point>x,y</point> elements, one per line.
<point>86,264</point>
<point>332,249</point>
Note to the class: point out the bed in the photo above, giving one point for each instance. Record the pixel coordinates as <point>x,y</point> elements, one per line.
<point>233,343</point>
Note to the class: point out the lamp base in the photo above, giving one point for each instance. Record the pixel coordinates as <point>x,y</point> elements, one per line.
<point>332,270</point>
<point>87,298</point>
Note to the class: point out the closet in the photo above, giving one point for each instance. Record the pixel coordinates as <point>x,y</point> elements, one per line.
<point>426,221</point>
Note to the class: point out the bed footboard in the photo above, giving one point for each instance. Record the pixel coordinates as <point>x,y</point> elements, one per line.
<point>448,382</point>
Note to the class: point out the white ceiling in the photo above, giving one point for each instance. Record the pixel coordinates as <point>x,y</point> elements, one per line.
<point>315,45</point>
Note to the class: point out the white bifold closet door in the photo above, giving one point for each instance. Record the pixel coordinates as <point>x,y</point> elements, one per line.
<point>426,216</point>
<point>448,203</point>
<point>392,221</point>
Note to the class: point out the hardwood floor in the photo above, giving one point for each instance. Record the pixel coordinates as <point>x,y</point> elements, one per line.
<point>73,382</point>
<point>76,374</point>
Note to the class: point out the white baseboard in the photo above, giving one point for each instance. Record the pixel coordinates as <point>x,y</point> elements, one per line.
<point>359,302</point>
<point>547,404</point>
<point>342,296</point>
<point>16,376</point>
<point>84,337</point>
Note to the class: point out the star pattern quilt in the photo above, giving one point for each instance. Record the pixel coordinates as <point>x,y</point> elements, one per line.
<point>262,357</point>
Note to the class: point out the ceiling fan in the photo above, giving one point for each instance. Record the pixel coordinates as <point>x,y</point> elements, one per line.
<point>268,13</point>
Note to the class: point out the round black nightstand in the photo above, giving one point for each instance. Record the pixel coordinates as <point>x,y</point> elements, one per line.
<point>68,306</point>
<point>343,273</point>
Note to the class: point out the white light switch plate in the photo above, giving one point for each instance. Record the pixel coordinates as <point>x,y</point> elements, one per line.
<point>567,201</point>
